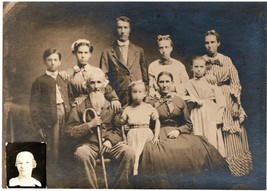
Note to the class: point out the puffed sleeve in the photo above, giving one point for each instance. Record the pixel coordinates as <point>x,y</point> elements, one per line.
<point>187,126</point>
<point>154,113</point>
<point>124,116</point>
<point>235,86</point>
<point>183,74</point>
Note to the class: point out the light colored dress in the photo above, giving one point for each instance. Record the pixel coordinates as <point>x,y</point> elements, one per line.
<point>15,182</point>
<point>206,117</point>
<point>175,67</point>
<point>223,73</point>
<point>138,120</point>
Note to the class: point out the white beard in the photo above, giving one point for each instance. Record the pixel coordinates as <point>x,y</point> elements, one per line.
<point>97,100</point>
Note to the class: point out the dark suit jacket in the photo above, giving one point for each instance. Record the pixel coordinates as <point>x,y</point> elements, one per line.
<point>121,74</point>
<point>43,106</point>
<point>84,133</point>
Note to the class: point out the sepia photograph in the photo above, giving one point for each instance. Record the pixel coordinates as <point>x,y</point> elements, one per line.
<point>134,95</point>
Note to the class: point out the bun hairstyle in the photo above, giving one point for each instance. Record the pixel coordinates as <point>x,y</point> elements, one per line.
<point>130,89</point>
<point>213,32</point>
<point>165,37</point>
<point>81,42</point>
<point>34,164</point>
<point>165,73</point>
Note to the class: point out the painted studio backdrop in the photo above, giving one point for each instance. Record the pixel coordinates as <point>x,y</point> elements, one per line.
<point>30,28</point>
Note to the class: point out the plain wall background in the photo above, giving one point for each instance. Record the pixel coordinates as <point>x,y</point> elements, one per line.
<point>37,26</point>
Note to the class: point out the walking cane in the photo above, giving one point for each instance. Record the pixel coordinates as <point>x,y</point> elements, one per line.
<point>93,114</point>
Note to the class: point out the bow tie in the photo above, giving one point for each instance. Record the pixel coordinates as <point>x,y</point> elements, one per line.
<point>214,62</point>
<point>78,68</point>
<point>167,99</point>
<point>121,44</point>
<point>165,62</point>
<point>52,74</point>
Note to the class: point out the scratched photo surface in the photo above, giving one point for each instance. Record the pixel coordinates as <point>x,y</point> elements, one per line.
<point>31,27</point>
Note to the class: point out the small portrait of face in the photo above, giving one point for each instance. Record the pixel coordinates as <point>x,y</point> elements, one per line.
<point>26,164</point>
<point>165,49</point>
<point>123,30</point>
<point>199,67</point>
<point>211,44</point>
<point>52,62</point>
<point>83,54</point>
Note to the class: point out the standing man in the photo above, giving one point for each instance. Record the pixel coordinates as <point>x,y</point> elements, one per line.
<point>124,62</point>
<point>85,133</point>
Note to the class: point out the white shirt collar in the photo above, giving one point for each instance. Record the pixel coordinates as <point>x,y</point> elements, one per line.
<point>87,67</point>
<point>52,74</point>
<point>126,43</point>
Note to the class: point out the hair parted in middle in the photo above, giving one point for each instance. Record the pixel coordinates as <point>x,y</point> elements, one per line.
<point>81,42</point>
<point>165,73</point>
<point>130,89</point>
<point>164,37</point>
<point>29,154</point>
<point>213,32</point>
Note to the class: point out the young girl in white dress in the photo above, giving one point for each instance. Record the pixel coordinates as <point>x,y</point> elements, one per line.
<point>207,104</point>
<point>25,163</point>
<point>136,118</point>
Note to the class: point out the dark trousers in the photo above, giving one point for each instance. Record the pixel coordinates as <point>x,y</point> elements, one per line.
<point>122,154</point>
<point>55,136</point>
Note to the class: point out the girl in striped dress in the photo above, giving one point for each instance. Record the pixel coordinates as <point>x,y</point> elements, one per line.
<point>221,71</point>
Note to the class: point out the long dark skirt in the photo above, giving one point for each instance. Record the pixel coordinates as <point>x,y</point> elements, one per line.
<point>188,161</point>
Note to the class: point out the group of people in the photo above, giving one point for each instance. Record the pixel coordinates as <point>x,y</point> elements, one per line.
<point>156,124</point>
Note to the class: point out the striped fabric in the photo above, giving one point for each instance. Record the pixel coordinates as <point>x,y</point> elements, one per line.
<point>238,155</point>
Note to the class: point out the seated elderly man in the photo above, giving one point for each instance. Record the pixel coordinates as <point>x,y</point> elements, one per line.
<point>85,132</point>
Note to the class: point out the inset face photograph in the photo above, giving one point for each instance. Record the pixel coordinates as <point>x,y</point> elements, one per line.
<point>25,165</point>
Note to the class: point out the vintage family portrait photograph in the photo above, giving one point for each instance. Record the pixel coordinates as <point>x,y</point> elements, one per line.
<point>134,95</point>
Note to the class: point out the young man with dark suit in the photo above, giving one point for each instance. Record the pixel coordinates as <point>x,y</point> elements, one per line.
<point>124,62</point>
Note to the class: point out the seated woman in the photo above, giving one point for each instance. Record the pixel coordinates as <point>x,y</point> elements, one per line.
<point>179,158</point>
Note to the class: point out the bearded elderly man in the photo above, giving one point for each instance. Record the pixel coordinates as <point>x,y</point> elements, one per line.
<point>87,151</point>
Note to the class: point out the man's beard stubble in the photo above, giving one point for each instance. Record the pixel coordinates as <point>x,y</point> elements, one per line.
<point>97,100</point>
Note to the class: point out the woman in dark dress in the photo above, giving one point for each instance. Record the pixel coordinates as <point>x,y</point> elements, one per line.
<point>179,160</point>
